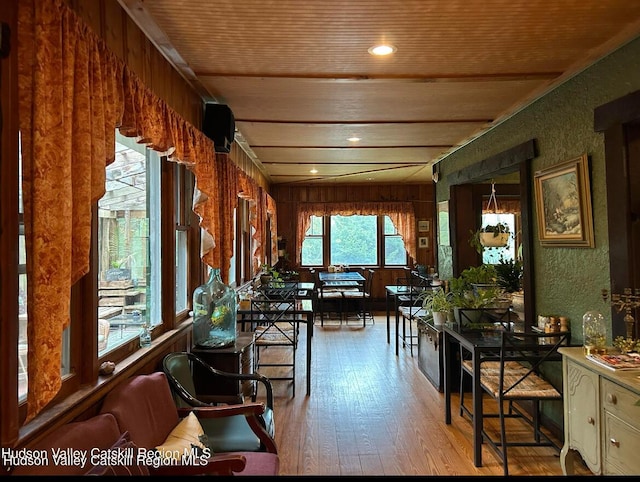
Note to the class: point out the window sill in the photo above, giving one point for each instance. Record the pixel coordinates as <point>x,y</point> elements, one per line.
<point>88,395</point>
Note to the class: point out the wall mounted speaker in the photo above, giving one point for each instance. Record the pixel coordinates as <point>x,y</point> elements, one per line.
<point>219,125</point>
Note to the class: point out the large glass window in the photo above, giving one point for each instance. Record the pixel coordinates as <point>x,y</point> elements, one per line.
<point>183,196</point>
<point>233,275</point>
<point>129,246</point>
<point>23,340</point>
<point>23,345</point>
<point>312,246</point>
<point>354,240</point>
<point>242,255</point>
<point>394,252</point>
<point>358,240</point>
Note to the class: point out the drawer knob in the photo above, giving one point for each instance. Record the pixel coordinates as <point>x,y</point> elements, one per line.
<point>591,421</point>
<point>615,443</point>
<point>611,398</point>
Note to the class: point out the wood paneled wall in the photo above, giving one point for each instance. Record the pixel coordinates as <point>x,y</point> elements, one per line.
<point>421,195</point>
<point>128,42</point>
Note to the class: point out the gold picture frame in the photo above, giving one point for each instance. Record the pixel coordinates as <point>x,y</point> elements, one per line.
<point>563,204</point>
<point>423,242</point>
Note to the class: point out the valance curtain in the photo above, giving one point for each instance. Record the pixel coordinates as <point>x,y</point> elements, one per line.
<point>503,206</point>
<point>402,216</point>
<point>73,94</point>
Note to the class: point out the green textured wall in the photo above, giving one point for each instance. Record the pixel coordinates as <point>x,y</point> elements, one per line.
<point>567,280</point>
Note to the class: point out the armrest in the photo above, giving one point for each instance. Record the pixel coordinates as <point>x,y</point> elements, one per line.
<point>251,411</point>
<point>224,464</point>
<point>221,411</point>
<point>238,376</point>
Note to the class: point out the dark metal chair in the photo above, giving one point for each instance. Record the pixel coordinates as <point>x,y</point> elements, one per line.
<point>532,352</point>
<point>361,297</point>
<point>327,297</point>
<point>242,432</point>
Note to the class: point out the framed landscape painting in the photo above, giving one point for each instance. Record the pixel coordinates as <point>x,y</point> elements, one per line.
<point>563,204</point>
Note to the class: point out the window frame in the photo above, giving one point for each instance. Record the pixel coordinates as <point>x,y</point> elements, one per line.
<point>84,363</point>
<point>380,246</point>
<point>243,242</point>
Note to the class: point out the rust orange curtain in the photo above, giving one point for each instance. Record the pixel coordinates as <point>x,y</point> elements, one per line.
<point>503,206</point>
<point>74,93</point>
<point>402,216</point>
<point>70,101</point>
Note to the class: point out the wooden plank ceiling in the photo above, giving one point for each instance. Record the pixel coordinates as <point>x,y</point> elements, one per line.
<point>300,81</point>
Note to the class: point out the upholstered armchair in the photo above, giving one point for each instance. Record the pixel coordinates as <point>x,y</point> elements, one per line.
<point>144,407</point>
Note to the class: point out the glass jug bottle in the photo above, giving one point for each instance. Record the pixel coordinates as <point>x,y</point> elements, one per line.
<point>214,310</point>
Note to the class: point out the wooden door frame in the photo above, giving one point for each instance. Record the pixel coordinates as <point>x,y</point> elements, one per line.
<point>619,120</point>
<point>465,212</point>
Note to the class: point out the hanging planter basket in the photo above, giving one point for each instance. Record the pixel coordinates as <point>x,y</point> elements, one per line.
<point>494,240</point>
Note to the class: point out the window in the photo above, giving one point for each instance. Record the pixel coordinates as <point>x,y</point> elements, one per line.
<point>358,240</point>
<point>23,341</point>
<point>233,275</point>
<point>23,345</point>
<point>129,268</point>
<point>313,244</point>
<point>241,261</point>
<point>353,240</point>
<point>394,252</point>
<point>493,255</point>
<point>184,182</point>
<point>128,271</point>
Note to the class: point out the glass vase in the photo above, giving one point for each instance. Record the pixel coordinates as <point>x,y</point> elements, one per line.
<point>214,310</point>
<point>594,333</point>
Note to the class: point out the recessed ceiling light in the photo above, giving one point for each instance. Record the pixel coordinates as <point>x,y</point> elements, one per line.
<point>313,171</point>
<point>382,50</point>
<point>353,139</point>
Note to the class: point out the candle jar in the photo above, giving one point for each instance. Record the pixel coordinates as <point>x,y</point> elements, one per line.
<point>594,333</point>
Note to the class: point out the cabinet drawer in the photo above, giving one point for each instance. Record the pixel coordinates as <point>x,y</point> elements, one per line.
<point>620,447</point>
<point>620,402</point>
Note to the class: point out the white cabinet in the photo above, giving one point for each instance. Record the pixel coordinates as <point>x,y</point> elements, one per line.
<point>602,416</point>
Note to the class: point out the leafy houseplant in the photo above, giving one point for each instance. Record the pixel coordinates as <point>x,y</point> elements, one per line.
<point>438,303</point>
<point>269,274</point>
<point>475,287</point>
<point>437,300</point>
<point>490,236</point>
<point>509,275</point>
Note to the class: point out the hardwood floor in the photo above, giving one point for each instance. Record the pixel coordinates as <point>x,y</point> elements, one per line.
<point>371,412</point>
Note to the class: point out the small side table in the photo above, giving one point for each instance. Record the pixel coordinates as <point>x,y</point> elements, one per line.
<point>234,359</point>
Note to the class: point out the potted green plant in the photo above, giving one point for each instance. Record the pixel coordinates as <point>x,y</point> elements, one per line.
<point>509,274</point>
<point>475,289</point>
<point>269,274</point>
<point>490,236</point>
<point>438,303</point>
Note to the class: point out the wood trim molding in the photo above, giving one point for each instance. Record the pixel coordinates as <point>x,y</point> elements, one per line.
<point>501,163</point>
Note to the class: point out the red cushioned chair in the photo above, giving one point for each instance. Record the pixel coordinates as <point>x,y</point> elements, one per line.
<point>144,406</point>
<point>99,432</point>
